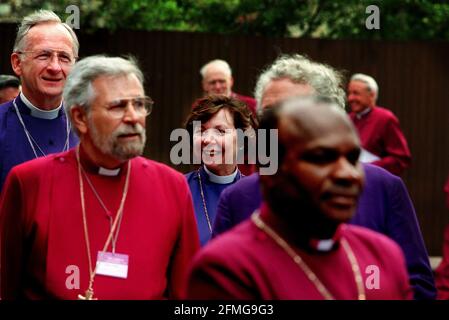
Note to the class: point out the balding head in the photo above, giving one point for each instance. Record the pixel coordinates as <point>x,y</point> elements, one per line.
<point>305,118</point>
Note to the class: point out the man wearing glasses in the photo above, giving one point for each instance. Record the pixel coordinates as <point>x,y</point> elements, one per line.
<point>34,124</point>
<point>98,221</point>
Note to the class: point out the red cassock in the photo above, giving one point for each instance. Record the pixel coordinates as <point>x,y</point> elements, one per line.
<point>249,101</point>
<point>246,263</point>
<point>43,248</point>
<point>380,134</point>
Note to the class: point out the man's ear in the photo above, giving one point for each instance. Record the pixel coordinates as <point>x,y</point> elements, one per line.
<point>79,119</point>
<point>231,82</point>
<point>16,63</point>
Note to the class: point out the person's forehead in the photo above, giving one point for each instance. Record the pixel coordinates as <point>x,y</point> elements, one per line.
<point>216,73</point>
<point>357,84</point>
<point>122,86</point>
<point>318,125</point>
<point>282,89</point>
<point>339,139</point>
<point>49,34</point>
<point>222,117</point>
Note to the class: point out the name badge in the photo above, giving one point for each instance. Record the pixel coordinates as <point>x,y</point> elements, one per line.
<point>112,264</point>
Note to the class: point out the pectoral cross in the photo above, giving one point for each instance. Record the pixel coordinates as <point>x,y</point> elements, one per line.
<point>89,295</point>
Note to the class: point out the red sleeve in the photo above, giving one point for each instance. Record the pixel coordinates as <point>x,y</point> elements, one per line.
<point>213,278</point>
<point>187,245</point>
<point>398,155</point>
<point>11,240</point>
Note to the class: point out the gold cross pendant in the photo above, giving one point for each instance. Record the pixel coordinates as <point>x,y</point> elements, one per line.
<point>89,295</point>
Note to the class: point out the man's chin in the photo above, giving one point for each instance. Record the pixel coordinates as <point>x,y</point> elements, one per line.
<point>128,152</point>
<point>337,214</point>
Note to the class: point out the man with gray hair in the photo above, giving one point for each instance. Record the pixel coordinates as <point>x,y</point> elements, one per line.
<point>384,205</point>
<point>217,79</point>
<point>34,124</point>
<point>98,221</point>
<point>382,139</point>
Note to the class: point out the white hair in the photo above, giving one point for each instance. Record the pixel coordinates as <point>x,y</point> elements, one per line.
<point>41,17</point>
<point>322,78</point>
<point>218,63</point>
<point>369,81</point>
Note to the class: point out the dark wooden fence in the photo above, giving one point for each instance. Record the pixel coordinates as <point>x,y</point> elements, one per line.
<point>412,76</point>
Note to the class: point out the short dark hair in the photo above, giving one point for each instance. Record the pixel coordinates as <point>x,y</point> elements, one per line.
<point>205,108</point>
<point>7,81</point>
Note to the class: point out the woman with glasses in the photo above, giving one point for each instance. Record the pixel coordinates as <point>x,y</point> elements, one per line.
<point>214,125</point>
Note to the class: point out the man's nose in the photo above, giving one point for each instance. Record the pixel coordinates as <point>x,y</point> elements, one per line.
<point>208,136</point>
<point>131,115</point>
<point>54,64</point>
<point>347,172</point>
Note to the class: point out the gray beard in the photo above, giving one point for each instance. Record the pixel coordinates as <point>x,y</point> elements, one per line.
<point>111,146</point>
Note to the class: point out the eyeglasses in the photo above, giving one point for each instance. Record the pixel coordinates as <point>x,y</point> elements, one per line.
<point>142,106</point>
<point>46,56</point>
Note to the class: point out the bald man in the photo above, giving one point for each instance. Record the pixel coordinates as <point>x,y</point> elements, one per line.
<point>298,245</point>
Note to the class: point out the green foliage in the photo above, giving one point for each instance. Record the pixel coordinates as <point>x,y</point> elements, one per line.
<point>399,19</point>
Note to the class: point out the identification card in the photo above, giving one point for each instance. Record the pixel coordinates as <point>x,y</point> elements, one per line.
<point>112,264</point>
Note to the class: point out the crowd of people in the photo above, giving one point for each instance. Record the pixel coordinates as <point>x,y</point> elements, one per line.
<point>83,215</point>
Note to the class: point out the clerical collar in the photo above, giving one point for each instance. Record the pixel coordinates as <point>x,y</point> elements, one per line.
<point>221,179</point>
<point>90,166</point>
<point>310,245</point>
<point>108,172</point>
<point>325,245</point>
<point>363,113</point>
<point>39,113</point>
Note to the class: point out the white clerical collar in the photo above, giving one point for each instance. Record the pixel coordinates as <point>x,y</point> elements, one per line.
<point>361,114</point>
<point>221,179</point>
<point>108,172</point>
<point>39,113</point>
<point>325,245</point>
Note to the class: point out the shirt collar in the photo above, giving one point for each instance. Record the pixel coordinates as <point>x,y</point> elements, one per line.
<point>39,113</point>
<point>326,245</point>
<point>108,172</point>
<point>220,179</point>
<point>312,245</point>
<point>90,166</point>
<point>363,113</point>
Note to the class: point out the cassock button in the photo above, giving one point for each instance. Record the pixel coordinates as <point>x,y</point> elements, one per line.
<point>51,142</point>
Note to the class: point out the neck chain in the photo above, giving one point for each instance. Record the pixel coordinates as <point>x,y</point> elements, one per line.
<point>309,273</point>
<point>203,198</point>
<point>89,295</point>
<point>108,213</point>
<point>32,141</point>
